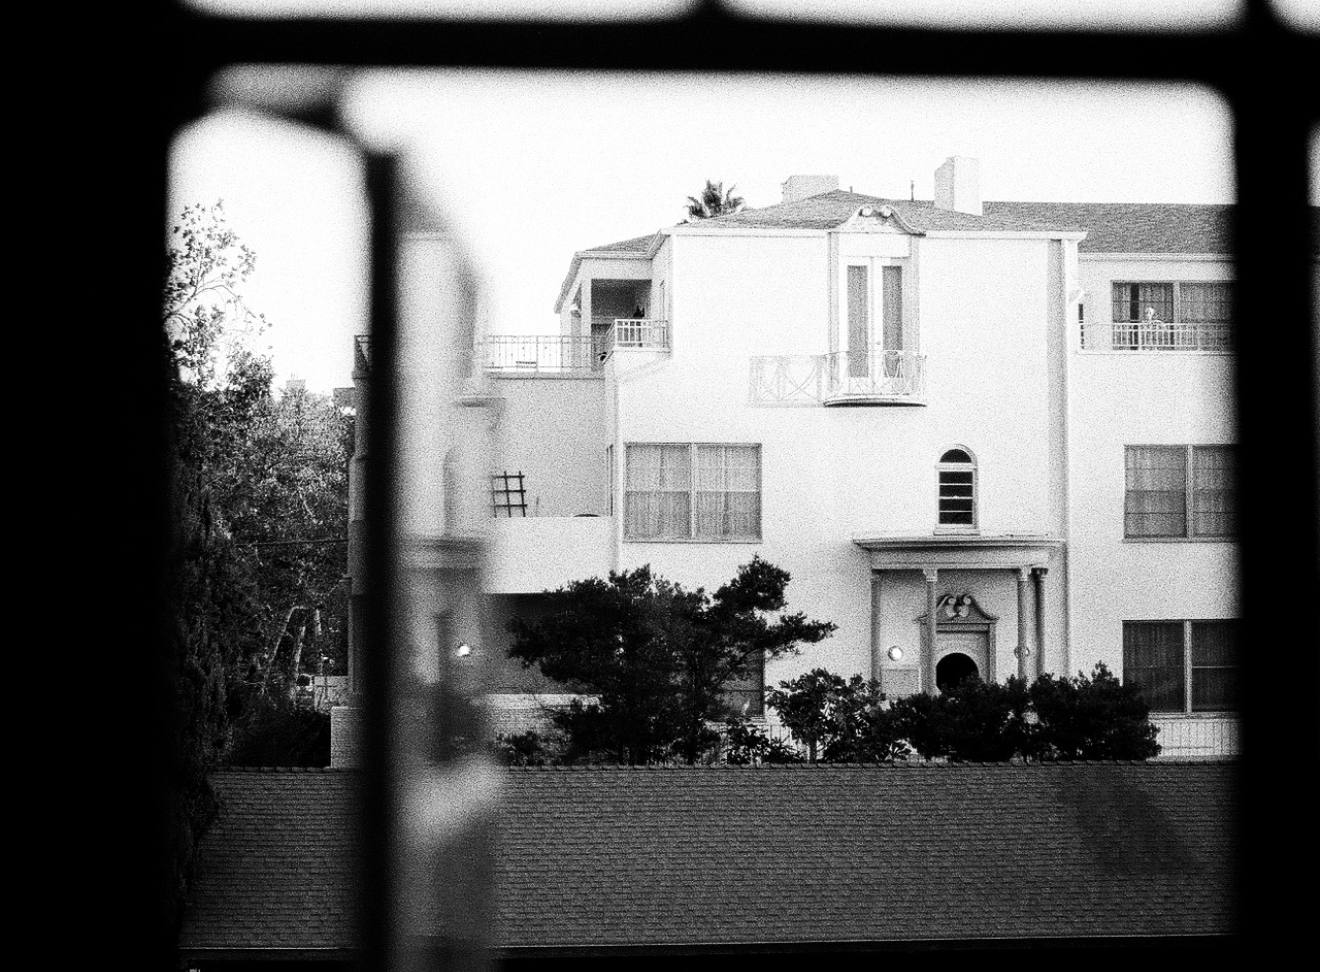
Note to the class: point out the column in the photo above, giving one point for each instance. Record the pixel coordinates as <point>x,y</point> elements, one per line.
<point>928,661</point>
<point>1024,622</point>
<point>877,647</point>
<point>1039,575</point>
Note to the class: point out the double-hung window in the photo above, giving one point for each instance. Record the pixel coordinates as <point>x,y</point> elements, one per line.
<point>692,491</point>
<point>1179,493</point>
<point>1182,666</point>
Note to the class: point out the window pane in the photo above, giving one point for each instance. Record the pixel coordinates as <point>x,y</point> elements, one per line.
<point>728,492</point>
<point>892,297</point>
<point>657,502</point>
<point>1214,665</point>
<point>1156,500</point>
<point>1214,493</point>
<point>1153,661</point>
<point>859,322</point>
<point>1200,303</point>
<point>956,500</point>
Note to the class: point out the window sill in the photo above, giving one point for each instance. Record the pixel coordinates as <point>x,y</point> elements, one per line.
<point>1217,714</point>
<point>720,540</point>
<point>1180,539</point>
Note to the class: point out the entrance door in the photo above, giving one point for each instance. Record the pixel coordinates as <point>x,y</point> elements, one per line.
<point>959,654</point>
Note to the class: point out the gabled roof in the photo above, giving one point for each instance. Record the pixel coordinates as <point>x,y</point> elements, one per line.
<point>742,856</point>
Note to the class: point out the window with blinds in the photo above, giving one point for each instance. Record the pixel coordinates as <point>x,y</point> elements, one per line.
<point>1179,492</point>
<point>956,472</point>
<point>1184,302</point>
<point>692,491</point>
<point>1182,666</point>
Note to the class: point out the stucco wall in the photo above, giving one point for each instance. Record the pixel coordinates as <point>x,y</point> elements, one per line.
<point>829,474</point>
<point>553,431</point>
<point>1140,398</point>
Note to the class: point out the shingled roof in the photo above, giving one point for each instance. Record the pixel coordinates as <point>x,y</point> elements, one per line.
<point>1110,227</point>
<point>632,859</point>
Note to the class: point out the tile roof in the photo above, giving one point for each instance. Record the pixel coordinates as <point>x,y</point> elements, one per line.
<point>733,856</point>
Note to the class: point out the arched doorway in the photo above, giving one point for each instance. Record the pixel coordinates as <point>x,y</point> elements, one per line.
<point>953,669</point>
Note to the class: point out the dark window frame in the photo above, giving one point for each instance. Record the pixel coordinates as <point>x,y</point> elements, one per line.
<point>1192,490</point>
<point>1182,683</point>
<point>1259,65</point>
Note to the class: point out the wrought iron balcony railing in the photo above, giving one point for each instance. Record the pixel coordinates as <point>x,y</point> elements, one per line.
<point>839,378</point>
<point>1208,338</point>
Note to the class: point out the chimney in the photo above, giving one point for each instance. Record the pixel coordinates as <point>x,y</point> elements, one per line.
<point>804,186</point>
<point>958,185</point>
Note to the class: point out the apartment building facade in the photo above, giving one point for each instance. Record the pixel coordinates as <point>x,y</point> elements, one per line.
<point>983,438</point>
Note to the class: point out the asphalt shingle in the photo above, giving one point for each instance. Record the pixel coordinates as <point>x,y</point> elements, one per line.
<point>739,855</point>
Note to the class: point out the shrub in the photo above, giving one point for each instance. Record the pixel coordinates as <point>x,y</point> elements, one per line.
<point>1091,718</point>
<point>746,743</point>
<point>973,722</point>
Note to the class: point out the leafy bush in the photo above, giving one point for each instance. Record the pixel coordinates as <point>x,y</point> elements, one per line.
<point>746,743</point>
<point>837,720</point>
<point>1091,718</point>
<point>528,748</point>
<point>977,722</point>
<point>1082,717</point>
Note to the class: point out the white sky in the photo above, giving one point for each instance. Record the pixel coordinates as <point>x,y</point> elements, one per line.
<point>535,166</point>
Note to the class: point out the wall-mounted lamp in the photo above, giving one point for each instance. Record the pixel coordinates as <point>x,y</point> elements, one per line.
<point>895,653</point>
<point>463,650</point>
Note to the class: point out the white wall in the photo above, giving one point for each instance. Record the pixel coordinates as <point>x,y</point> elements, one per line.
<point>1140,398</point>
<point>829,474</point>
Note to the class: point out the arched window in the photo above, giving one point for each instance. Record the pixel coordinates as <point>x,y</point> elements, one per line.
<point>956,472</point>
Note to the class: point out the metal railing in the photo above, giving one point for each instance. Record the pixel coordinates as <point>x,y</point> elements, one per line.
<point>838,377</point>
<point>543,354</point>
<point>1210,338</point>
<point>557,354</point>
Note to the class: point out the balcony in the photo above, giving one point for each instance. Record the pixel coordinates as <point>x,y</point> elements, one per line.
<point>565,356</point>
<point>1203,338</point>
<point>840,378</point>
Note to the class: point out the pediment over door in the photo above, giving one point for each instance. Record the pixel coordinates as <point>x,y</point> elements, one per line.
<point>954,609</point>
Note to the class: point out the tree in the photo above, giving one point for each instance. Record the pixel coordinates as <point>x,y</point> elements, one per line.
<point>653,658</point>
<point>258,483</point>
<point>714,201</point>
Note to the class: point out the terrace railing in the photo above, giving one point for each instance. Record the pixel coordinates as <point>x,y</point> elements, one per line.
<point>560,355</point>
<point>1206,338</point>
<point>644,333</point>
<point>543,354</point>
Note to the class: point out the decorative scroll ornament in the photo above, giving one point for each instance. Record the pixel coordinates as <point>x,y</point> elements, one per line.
<point>955,605</point>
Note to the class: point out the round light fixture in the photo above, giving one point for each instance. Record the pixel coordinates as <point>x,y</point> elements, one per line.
<point>895,653</point>
<point>463,650</point>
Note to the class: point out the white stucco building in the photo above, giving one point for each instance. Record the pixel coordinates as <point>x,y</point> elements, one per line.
<point>990,437</point>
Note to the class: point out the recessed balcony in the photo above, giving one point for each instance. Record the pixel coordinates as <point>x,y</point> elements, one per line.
<point>569,356</point>
<point>840,378</point>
